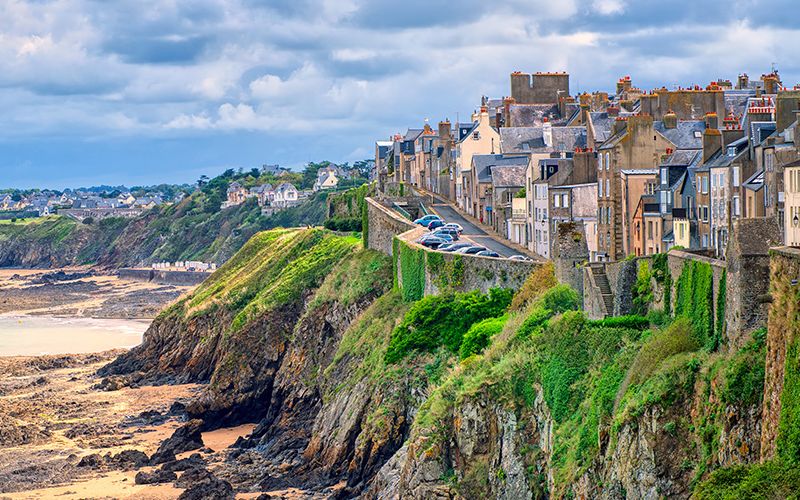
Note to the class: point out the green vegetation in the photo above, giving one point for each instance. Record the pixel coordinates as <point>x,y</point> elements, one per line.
<point>744,374</point>
<point>788,443</point>
<point>412,272</point>
<point>664,279</point>
<point>447,273</point>
<point>643,291</point>
<point>694,300</point>
<point>480,335</point>
<point>443,320</point>
<point>768,481</point>
<point>344,224</point>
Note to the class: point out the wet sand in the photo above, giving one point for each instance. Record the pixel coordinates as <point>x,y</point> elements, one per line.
<point>93,295</point>
<point>22,335</point>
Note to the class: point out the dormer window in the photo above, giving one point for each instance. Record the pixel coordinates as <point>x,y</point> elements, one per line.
<point>732,152</point>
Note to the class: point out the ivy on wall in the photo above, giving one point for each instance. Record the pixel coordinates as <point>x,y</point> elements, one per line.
<point>663,277</point>
<point>695,301</point>
<point>412,272</point>
<point>643,291</point>
<point>722,294</point>
<point>365,225</point>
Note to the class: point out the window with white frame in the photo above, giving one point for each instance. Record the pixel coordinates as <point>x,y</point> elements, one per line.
<point>565,200</point>
<point>735,176</point>
<point>556,200</point>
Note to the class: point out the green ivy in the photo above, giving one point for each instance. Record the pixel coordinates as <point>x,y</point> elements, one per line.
<point>643,291</point>
<point>663,278</point>
<point>788,442</point>
<point>722,293</point>
<point>695,301</point>
<point>447,273</point>
<point>412,272</point>
<point>365,225</point>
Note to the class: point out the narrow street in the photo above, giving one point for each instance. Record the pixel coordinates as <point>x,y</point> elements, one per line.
<point>471,231</point>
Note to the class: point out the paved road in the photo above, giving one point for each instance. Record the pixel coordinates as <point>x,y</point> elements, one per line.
<point>473,232</point>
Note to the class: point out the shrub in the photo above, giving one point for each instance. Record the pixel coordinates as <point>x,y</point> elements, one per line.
<point>540,280</point>
<point>560,298</point>
<point>631,321</point>
<point>412,272</point>
<point>344,224</point>
<point>675,339</point>
<point>443,320</point>
<point>480,335</point>
<point>88,220</point>
<point>767,480</point>
<point>743,376</point>
<point>694,301</point>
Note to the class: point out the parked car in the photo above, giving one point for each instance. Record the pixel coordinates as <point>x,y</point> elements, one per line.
<point>452,247</point>
<point>435,224</point>
<point>449,231</point>
<point>455,226</point>
<point>520,257</point>
<point>426,219</point>
<point>444,236</point>
<point>472,250</point>
<point>488,253</point>
<point>432,242</point>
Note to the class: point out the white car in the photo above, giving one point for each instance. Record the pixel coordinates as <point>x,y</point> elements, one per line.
<point>520,257</point>
<point>455,226</point>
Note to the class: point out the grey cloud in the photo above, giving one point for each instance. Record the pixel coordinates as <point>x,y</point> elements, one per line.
<point>158,50</point>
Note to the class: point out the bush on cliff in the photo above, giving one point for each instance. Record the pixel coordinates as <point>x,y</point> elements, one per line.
<point>480,335</point>
<point>442,320</point>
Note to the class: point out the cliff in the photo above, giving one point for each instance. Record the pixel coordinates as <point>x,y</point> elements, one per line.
<point>194,229</point>
<point>456,395</point>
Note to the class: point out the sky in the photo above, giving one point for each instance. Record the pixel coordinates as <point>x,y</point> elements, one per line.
<point>144,91</point>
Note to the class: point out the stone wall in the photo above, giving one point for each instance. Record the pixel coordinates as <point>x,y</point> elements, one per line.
<point>783,328</point>
<point>748,278</point>
<point>164,277</point>
<point>444,271</point>
<point>570,253</point>
<point>383,224</point>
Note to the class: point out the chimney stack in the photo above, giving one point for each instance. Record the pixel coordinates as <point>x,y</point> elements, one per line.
<point>547,133</point>
<point>712,142</point>
<point>619,124</point>
<point>743,82</point>
<point>712,121</point>
<point>670,119</point>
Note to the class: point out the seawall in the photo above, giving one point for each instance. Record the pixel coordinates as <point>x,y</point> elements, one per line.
<point>164,277</point>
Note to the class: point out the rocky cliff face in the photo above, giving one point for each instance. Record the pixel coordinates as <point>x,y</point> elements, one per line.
<point>293,333</point>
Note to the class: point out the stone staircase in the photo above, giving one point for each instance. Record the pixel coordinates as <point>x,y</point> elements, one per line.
<point>601,280</point>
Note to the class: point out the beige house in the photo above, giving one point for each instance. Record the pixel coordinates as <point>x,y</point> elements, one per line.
<point>791,183</point>
<point>479,139</point>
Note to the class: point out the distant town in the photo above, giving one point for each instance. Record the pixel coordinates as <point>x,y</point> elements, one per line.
<point>640,171</point>
<point>287,189</point>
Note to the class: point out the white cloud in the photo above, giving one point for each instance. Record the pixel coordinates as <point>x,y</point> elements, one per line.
<point>609,7</point>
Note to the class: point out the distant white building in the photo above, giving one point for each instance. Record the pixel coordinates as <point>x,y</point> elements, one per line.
<point>326,178</point>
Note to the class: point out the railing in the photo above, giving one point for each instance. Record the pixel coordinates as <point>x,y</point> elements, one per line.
<point>402,211</point>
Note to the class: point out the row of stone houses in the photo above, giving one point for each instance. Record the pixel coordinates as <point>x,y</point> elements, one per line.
<point>48,202</point>
<point>642,171</point>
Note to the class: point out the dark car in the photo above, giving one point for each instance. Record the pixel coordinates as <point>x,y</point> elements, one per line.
<point>452,247</point>
<point>488,253</point>
<point>432,242</point>
<point>452,232</point>
<point>435,224</point>
<point>472,250</point>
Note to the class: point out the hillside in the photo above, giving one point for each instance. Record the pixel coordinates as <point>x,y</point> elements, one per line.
<point>461,394</point>
<point>194,229</point>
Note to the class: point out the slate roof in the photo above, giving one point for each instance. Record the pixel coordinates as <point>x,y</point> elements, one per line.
<point>736,100</point>
<point>532,115</point>
<point>484,164</point>
<point>759,131</point>
<point>412,134</point>
<point>683,136</point>
<point>531,139</point>
<point>755,182</point>
<point>684,157</point>
<point>509,175</point>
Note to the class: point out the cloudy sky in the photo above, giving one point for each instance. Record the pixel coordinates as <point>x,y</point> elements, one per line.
<point>147,91</point>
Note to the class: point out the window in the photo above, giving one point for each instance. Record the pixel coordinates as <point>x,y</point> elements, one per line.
<point>600,162</point>
<point>608,162</point>
<point>608,188</point>
<point>649,230</point>
<point>565,200</point>
<point>705,241</point>
<point>735,176</point>
<point>704,184</point>
<point>600,188</point>
<point>556,200</point>
<point>664,176</point>
<point>736,206</point>
<point>476,135</point>
<point>681,230</point>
